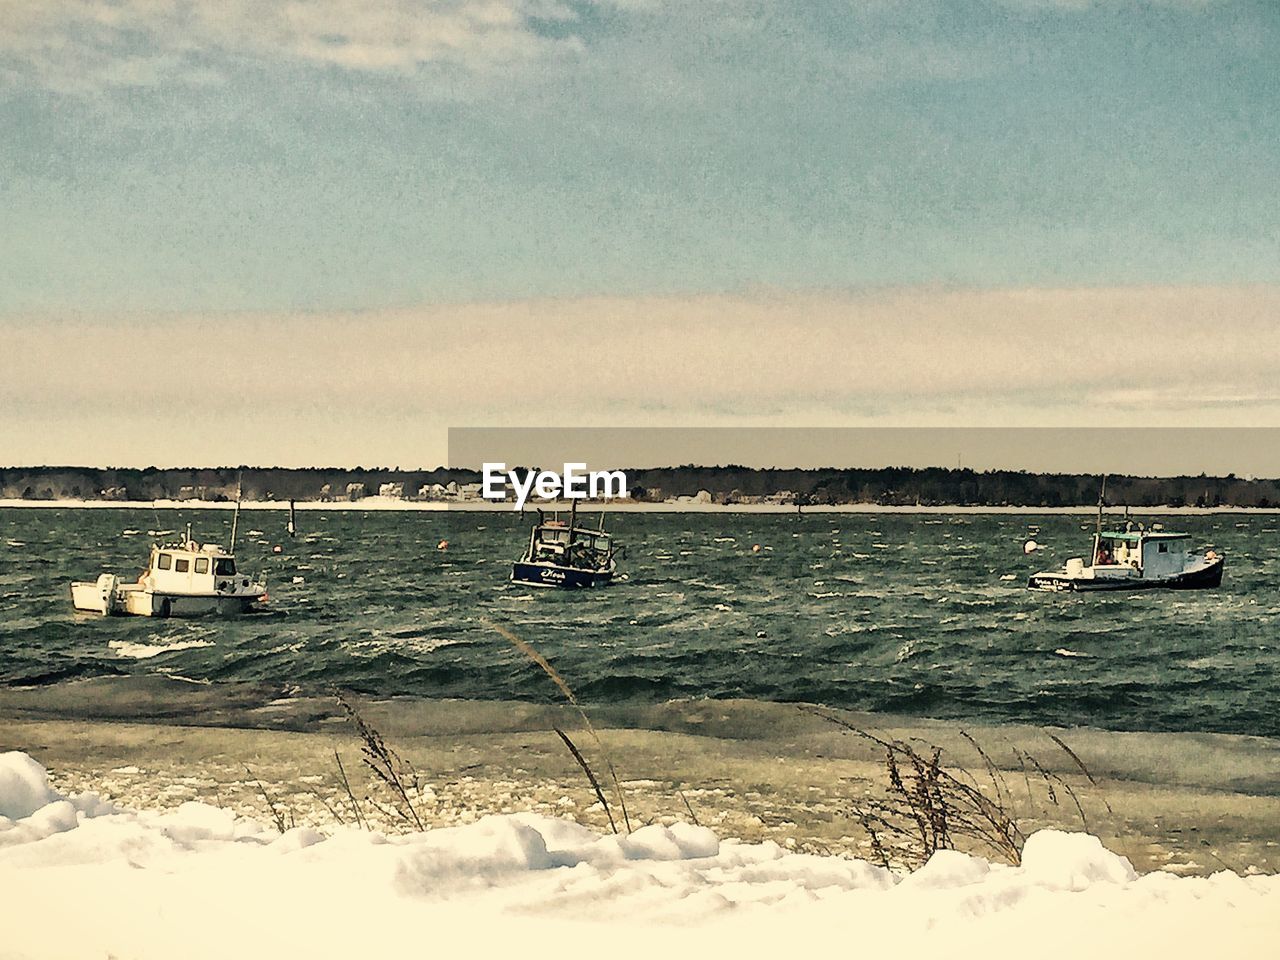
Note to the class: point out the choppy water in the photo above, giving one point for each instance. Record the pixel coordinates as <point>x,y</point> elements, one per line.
<point>918,614</point>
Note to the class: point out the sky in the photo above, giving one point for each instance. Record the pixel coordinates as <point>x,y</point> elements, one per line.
<point>361,223</point>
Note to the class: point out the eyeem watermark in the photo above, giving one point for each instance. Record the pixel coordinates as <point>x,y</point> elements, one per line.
<point>574,483</point>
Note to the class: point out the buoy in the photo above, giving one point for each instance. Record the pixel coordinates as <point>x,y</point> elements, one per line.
<point>755,548</point>
<point>442,545</point>
<point>1030,547</point>
<point>277,549</point>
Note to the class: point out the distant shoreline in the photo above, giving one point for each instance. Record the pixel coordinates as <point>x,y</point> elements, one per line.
<point>387,504</point>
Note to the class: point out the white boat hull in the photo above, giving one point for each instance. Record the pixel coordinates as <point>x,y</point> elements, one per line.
<point>133,600</point>
<point>1202,576</point>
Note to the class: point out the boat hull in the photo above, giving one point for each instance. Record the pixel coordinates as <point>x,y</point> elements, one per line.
<point>131,600</point>
<point>1207,577</point>
<point>555,575</point>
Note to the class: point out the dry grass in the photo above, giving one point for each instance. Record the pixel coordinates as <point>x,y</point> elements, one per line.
<point>529,652</point>
<point>281,816</point>
<point>398,781</point>
<point>928,806</point>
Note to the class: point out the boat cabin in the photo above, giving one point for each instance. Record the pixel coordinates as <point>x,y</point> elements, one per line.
<point>1152,553</point>
<point>193,568</point>
<point>554,542</point>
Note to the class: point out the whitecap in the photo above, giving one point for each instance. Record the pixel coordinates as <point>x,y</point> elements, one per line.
<point>145,651</point>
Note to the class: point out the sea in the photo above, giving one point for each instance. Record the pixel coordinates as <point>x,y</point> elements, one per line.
<point>918,614</point>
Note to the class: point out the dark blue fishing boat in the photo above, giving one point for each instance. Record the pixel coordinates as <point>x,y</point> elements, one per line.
<point>566,555</point>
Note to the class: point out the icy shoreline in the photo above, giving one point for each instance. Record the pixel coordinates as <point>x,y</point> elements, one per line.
<point>198,881</point>
<point>1186,803</point>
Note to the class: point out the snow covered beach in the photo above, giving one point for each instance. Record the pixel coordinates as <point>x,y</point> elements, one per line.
<point>177,856</point>
<point>83,877</point>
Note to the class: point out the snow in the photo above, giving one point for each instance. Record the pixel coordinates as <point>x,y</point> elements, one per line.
<point>80,877</point>
<point>24,786</point>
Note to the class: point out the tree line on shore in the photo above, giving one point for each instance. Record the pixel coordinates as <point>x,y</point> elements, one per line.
<point>889,486</point>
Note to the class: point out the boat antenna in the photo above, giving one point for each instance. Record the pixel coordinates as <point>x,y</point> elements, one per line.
<point>1102,500</point>
<point>156,533</point>
<point>235,517</point>
<point>573,517</point>
<point>292,526</point>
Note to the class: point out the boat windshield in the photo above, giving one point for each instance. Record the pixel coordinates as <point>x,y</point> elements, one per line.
<point>585,550</point>
<point>224,567</point>
<point>1117,551</point>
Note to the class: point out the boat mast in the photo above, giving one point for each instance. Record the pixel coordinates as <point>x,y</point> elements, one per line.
<point>292,526</point>
<point>235,517</point>
<point>1097,537</point>
<point>1102,499</point>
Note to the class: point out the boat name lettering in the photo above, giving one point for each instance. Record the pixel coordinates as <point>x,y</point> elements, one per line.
<point>574,483</point>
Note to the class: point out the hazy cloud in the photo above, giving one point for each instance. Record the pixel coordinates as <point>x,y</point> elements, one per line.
<point>384,386</point>
<point>75,44</point>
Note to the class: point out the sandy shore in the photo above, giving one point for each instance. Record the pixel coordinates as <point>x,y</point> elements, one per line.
<point>378,504</point>
<point>1188,803</point>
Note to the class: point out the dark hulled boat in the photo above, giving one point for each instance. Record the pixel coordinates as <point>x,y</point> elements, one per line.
<point>1136,559</point>
<point>566,555</point>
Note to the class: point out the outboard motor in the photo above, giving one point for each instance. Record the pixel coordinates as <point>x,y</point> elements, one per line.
<point>108,584</point>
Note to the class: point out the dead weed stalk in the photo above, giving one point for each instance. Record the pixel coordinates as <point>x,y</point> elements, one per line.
<point>929,806</point>
<point>396,776</point>
<point>541,662</point>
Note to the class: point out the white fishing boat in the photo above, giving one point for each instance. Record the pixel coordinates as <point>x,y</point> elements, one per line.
<point>184,579</point>
<point>1136,558</point>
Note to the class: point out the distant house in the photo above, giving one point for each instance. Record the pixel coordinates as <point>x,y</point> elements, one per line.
<point>431,491</point>
<point>355,491</point>
<point>393,490</point>
<point>114,493</point>
<point>702,496</point>
<point>470,491</point>
<point>326,493</point>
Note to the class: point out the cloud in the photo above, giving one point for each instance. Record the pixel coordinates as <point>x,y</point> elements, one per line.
<point>384,385</point>
<point>1093,4</point>
<point>78,44</point>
